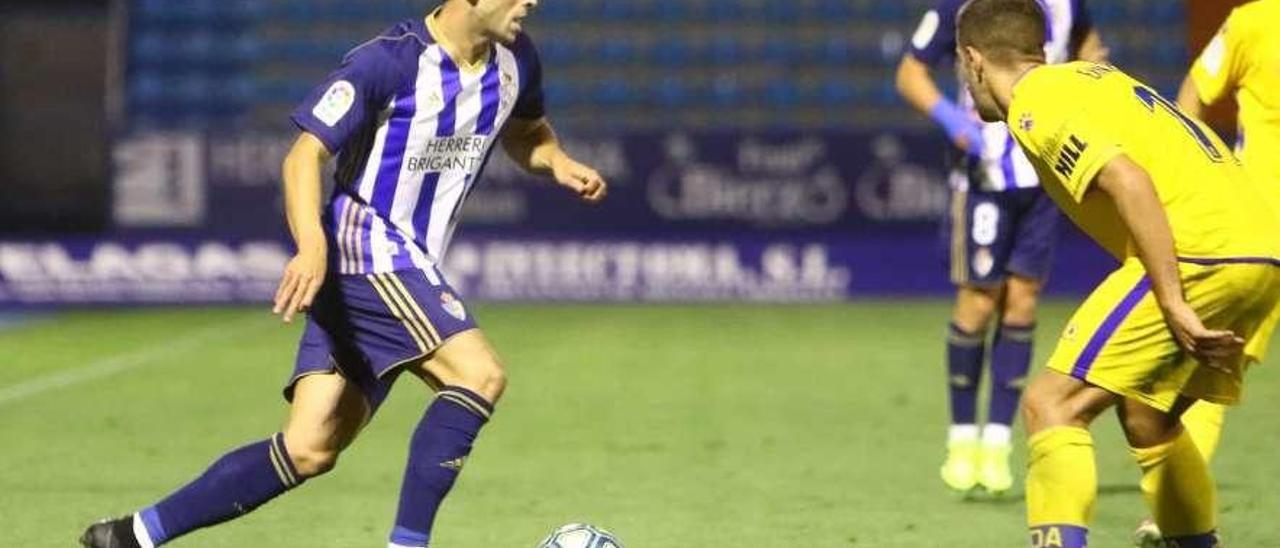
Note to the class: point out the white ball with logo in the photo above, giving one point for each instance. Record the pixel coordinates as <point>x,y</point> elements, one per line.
<point>581,535</point>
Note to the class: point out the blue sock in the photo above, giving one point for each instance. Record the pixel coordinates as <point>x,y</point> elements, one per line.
<point>437,452</point>
<point>964,363</point>
<point>1010,361</point>
<point>1207,540</point>
<point>1059,536</point>
<point>233,486</point>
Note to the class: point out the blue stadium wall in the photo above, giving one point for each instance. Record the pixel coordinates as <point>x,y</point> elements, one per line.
<point>755,153</point>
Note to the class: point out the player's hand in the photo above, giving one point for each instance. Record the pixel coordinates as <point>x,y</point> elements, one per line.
<point>963,129</point>
<point>302,279</point>
<point>1216,348</point>
<point>582,180</point>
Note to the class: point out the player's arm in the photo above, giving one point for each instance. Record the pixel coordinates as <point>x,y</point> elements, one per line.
<point>532,144</point>
<point>302,187</point>
<point>1189,99</point>
<point>1132,191</point>
<point>1215,73</point>
<point>933,40</point>
<point>1093,49</point>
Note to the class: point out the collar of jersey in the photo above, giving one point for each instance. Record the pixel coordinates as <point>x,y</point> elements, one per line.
<point>447,47</point>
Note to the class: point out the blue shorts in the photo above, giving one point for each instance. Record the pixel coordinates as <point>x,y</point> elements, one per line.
<point>989,235</point>
<point>366,327</point>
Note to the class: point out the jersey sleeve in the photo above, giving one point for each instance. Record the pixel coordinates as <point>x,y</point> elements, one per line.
<point>337,108</point>
<point>1069,138</point>
<point>935,37</point>
<point>1219,66</point>
<point>530,104</point>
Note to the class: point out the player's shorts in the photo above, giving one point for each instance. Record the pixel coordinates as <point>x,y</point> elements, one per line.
<point>1118,339</point>
<point>366,327</point>
<point>989,235</point>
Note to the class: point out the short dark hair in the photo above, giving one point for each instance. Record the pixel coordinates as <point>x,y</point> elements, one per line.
<point>1004,30</point>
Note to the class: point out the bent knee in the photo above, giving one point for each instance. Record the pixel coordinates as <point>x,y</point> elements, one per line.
<point>489,381</point>
<point>1043,409</point>
<point>310,462</point>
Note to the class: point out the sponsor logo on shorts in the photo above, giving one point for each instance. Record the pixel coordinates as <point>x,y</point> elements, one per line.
<point>983,262</point>
<point>453,306</point>
<point>1070,333</point>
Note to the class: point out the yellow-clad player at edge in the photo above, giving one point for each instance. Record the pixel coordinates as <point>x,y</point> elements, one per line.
<point>1243,60</point>
<point>1199,277</point>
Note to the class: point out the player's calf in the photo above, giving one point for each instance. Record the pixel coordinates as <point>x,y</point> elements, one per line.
<point>469,379</point>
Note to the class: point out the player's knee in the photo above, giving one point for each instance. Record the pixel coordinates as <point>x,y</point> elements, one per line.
<point>312,462</point>
<point>1043,409</point>
<point>1148,429</point>
<point>488,380</point>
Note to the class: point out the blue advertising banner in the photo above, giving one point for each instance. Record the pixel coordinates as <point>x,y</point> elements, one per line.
<point>774,216</point>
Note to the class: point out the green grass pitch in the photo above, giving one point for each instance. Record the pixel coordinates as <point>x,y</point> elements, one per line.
<point>675,426</point>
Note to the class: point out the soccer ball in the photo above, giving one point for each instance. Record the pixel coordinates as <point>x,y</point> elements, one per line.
<point>581,535</point>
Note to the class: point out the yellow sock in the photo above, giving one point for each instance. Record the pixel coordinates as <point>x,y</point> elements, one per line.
<point>1062,485</point>
<point>1204,422</point>
<point>1178,487</point>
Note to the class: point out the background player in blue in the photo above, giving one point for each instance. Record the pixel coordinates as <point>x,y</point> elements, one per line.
<point>412,116</point>
<point>1000,235</point>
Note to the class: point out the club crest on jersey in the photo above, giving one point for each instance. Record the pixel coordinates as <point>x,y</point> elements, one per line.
<point>453,306</point>
<point>508,88</point>
<point>335,103</point>
<point>1025,122</point>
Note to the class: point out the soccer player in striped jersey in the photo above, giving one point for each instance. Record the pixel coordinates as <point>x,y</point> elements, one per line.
<point>412,116</point>
<point>1191,303</point>
<point>1242,59</point>
<point>1000,235</point>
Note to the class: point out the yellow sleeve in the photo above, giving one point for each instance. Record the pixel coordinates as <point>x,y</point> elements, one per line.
<point>1220,65</point>
<point>1073,142</point>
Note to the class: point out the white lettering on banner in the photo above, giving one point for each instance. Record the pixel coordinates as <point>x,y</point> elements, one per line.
<point>159,180</point>
<point>784,184</point>
<point>249,160</point>
<point>46,266</point>
<point>522,270</point>
<point>893,190</point>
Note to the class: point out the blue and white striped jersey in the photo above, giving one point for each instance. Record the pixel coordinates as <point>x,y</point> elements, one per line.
<point>1003,165</point>
<point>413,130</point>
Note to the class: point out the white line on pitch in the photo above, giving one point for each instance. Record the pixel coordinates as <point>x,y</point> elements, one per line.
<point>120,363</point>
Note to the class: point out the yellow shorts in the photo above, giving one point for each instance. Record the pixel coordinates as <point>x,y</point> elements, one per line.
<point>1118,339</point>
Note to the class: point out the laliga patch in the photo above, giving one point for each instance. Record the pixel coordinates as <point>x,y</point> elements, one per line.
<point>336,103</point>
<point>1214,55</point>
<point>924,33</point>
<point>453,306</point>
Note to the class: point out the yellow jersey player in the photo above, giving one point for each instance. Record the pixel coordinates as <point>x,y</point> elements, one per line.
<point>1244,60</point>
<point>1199,274</point>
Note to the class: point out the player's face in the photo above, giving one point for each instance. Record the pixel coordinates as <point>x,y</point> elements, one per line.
<point>973,69</point>
<point>502,19</point>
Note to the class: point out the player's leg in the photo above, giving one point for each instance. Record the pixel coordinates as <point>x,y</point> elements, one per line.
<point>1062,478</point>
<point>1176,481</point>
<point>977,241</point>
<point>326,414</point>
<point>966,349</point>
<point>1203,422</point>
<point>469,379</point>
<point>457,362</point>
<point>1011,354</point>
<point>1034,227</point>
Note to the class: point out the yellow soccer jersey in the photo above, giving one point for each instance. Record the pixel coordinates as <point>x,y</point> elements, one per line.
<point>1073,118</point>
<point>1244,58</point>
